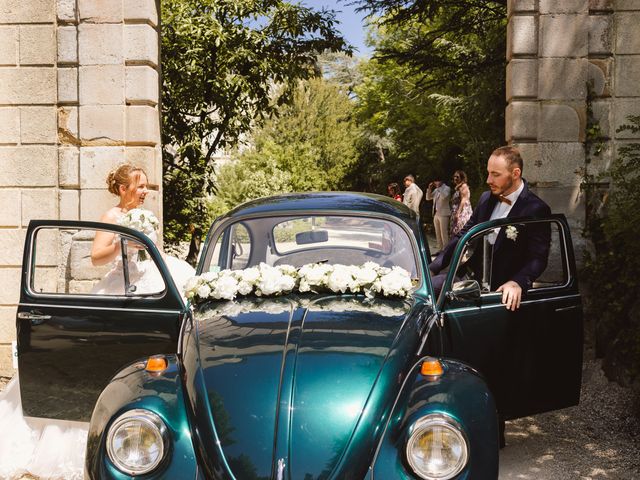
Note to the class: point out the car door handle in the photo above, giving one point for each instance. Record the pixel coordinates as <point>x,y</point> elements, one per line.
<point>36,318</point>
<point>564,309</point>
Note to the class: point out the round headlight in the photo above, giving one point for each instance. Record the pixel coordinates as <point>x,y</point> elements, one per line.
<point>136,441</point>
<point>437,449</point>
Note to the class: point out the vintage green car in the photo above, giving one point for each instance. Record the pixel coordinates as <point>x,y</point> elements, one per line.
<point>304,386</point>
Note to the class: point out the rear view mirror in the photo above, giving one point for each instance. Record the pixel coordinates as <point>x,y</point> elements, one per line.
<point>465,290</point>
<point>312,236</point>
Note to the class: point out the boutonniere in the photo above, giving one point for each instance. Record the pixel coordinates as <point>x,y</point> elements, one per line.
<point>512,232</point>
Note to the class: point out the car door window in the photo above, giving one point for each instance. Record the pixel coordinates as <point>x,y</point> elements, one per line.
<point>62,264</point>
<point>480,259</point>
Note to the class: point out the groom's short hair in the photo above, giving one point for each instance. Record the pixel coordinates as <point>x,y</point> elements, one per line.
<point>511,155</point>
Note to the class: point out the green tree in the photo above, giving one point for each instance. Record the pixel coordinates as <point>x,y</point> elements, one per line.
<point>433,95</point>
<point>221,60</point>
<point>310,145</point>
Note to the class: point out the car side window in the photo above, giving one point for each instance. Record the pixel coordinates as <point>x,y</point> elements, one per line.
<point>61,263</point>
<point>533,250</point>
<point>240,246</point>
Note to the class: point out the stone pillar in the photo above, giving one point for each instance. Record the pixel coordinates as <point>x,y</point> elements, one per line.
<point>547,76</point>
<point>79,93</point>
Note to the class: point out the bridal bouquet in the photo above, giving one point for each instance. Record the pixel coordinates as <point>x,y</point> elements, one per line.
<point>265,280</point>
<point>141,220</point>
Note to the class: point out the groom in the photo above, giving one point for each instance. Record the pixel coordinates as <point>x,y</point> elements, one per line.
<point>518,261</point>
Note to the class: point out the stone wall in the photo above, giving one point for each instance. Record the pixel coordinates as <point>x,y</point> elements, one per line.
<point>554,50</point>
<point>79,92</point>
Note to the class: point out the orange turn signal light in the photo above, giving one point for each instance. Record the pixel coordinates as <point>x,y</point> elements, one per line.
<point>156,364</point>
<point>431,367</point>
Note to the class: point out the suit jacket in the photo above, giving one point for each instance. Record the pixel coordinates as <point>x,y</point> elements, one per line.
<point>441,197</point>
<point>412,197</point>
<point>521,260</point>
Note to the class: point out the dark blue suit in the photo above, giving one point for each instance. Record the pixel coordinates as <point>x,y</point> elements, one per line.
<point>522,260</point>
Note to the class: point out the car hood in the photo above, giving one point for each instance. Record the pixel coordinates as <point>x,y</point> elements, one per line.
<point>295,387</point>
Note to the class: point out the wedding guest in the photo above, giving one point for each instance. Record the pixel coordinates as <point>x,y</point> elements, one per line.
<point>440,193</point>
<point>393,190</point>
<point>412,194</point>
<point>461,210</point>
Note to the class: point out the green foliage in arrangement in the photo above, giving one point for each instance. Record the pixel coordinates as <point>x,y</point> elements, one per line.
<point>612,270</point>
<point>308,146</point>
<point>221,62</point>
<point>433,97</point>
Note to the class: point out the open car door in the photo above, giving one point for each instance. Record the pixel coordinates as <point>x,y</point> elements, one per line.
<point>78,324</point>
<point>531,357</point>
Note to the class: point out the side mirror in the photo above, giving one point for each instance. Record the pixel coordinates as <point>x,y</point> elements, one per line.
<point>465,290</point>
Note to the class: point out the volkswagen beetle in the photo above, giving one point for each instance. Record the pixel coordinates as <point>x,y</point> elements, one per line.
<point>302,386</point>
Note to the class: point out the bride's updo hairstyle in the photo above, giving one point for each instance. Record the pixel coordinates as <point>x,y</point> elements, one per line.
<point>125,175</point>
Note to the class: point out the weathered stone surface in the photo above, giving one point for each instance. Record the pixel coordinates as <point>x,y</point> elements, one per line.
<point>12,241</point>
<point>142,85</point>
<point>96,163</point>
<point>38,203</point>
<point>100,11</point>
<point>66,10</point>
<point>600,5</point>
<point>69,166</point>
<point>10,280</point>
<point>100,44</point>
<point>102,85</point>
<point>69,201</point>
<point>559,123</point>
<point>6,361</point>
<point>38,125</point>
<point>10,217</point>
<point>141,44</point>
<point>141,11</point>
<point>103,123</point>
<point>564,35</point>
<point>68,45</point>
<point>628,75</point>
<point>67,85</point>
<point>8,45</point>
<point>68,126</point>
<point>9,125</point>
<point>522,36</point>
<point>28,166</point>
<point>45,280</point>
<point>81,268</point>
<point>599,76</point>
<point>622,109</point>
<point>8,324</point>
<point>621,5</point>
<point>522,78</point>
<point>143,125</point>
<point>27,11</point>
<point>600,34</point>
<point>79,286</point>
<point>627,38</point>
<point>564,6</point>
<point>562,79</point>
<point>146,158</point>
<point>93,203</point>
<point>27,85</point>
<point>557,163</point>
<point>520,6</point>
<point>37,45</point>
<point>601,110</point>
<point>522,121</point>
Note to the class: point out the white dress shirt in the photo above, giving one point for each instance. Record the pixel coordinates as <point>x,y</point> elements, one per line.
<point>502,209</point>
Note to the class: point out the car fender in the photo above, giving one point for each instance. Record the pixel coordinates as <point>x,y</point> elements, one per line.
<point>461,393</point>
<point>160,392</point>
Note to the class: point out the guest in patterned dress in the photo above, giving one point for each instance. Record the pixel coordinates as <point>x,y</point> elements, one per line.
<point>460,203</point>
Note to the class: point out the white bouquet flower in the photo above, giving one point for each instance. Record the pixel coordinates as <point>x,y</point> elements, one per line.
<point>512,232</point>
<point>143,221</point>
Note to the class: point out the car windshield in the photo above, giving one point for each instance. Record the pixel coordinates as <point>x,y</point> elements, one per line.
<point>300,240</point>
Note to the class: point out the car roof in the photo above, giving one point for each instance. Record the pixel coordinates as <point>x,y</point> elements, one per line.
<point>314,201</point>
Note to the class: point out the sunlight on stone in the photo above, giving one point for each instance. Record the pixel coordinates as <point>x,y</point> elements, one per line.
<point>545,458</point>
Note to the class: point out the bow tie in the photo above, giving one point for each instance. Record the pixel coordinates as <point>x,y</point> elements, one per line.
<point>502,198</point>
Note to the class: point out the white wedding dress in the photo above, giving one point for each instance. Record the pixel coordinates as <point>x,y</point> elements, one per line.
<point>53,449</point>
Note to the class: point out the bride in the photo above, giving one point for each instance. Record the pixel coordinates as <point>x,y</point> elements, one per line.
<point>55,449</point>
<point>129,184</point>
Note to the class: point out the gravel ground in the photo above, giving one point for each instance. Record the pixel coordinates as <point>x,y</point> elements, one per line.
<point>598,439</point>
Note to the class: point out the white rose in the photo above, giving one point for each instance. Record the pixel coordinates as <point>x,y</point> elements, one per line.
<point>203,291</point>
<point>226,287</point>
<point>340,279</point>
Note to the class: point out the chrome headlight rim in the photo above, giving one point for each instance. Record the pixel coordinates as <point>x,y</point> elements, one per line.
<point>440,420</point>
<point>150,419</point>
